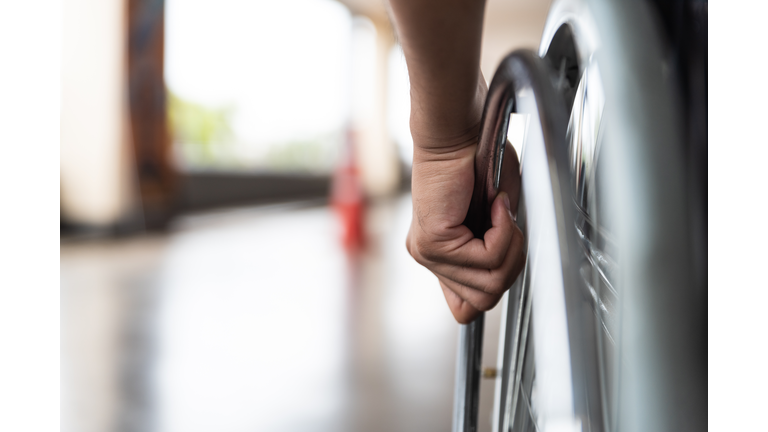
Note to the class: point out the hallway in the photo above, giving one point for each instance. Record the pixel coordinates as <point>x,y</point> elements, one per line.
<point>255,319</point>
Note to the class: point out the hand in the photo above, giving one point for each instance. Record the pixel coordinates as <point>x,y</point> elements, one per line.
<point>473,273</point>
<point>441,42</point>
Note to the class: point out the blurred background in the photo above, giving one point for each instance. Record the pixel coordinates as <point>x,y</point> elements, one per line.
<point>234,205</point>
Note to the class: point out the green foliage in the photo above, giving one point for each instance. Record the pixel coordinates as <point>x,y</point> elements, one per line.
<point>205,139</point>
<point>199,128</point>
<point>317,154</point>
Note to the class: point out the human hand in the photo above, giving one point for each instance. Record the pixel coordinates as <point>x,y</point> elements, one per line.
<point>473,273</point>
<point>441,41</point>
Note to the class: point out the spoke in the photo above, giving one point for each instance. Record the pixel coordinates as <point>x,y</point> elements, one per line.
<point>596,257</point>
<point>530,410</point>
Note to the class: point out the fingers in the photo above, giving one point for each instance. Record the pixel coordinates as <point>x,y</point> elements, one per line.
<point>500,270</point>
<point>509,180</point>
<point>473,273</point>
<point>490,281</point>
<point>479,300</point>
<point>469,290</point>
<point>462,311</point>
<point>462,249</point>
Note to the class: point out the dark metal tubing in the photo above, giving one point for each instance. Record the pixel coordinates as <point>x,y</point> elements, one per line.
<point>488,157</point>
<point>490,150</point>
<point>492,142</point>
<point>466,395</point>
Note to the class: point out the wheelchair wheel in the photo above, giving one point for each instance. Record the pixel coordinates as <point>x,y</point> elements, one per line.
<point>603,330</point>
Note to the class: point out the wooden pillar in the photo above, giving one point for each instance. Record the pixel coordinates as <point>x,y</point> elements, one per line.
<point>147,96</point>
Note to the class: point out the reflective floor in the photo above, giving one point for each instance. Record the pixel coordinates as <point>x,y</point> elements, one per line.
<point>256,319</point>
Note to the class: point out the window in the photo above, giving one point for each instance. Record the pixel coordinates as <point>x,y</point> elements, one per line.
<point>257,85</point>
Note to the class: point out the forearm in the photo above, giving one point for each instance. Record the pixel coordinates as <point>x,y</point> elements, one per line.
<point>441,40</point>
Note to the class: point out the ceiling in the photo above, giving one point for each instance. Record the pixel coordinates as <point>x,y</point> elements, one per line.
<point>509,24</point>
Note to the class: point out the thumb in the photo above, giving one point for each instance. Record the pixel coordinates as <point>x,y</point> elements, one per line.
<point>499,235</point>
<point>501,211</point>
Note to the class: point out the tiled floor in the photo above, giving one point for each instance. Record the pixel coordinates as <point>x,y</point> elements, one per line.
<point>255,319</point>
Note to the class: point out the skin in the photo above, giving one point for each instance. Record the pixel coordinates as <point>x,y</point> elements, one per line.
<point>441,42</point>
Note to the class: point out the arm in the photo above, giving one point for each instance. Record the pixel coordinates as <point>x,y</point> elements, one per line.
<point>441,41</point>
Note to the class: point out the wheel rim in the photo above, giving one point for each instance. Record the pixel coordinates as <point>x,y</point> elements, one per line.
<point>617,203</point>
<point>630,363</point>
<point>538,388</point>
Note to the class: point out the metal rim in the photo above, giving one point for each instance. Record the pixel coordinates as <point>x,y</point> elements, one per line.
<point>646,319</point>
<point>647,219</point>
<point>537,302</point>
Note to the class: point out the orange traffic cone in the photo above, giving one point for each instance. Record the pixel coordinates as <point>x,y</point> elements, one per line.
<point>347,197</point>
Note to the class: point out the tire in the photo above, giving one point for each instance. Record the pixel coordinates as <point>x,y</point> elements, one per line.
<point>605,329</point>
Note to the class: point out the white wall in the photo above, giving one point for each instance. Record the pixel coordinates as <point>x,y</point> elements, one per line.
<point>376,151</point>
<point>94,128</point>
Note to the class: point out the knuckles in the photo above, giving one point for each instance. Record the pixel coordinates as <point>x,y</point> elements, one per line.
<point>496,286</point>
<point>487,302</point>
<point>423,249</point>
<point>496,260</point>
<point>426,248</point>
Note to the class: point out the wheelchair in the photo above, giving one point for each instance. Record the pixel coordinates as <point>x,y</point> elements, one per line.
<point>605,329</point>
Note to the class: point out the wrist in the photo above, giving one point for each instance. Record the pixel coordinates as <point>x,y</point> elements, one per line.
<point>449,125</point>
<point>441,141</point>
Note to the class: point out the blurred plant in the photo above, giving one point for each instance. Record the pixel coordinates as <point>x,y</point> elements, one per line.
<point>205,139</point>
<point>317,154</point>
<point>199,129</point>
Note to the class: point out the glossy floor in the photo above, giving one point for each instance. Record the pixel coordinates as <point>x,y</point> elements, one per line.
<point>256,319</point>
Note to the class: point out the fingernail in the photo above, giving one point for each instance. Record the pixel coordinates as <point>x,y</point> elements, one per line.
<point>506,203</point>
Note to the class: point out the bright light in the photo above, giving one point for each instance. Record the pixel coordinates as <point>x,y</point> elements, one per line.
<point>399,104</point>
<point>281,67</point>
